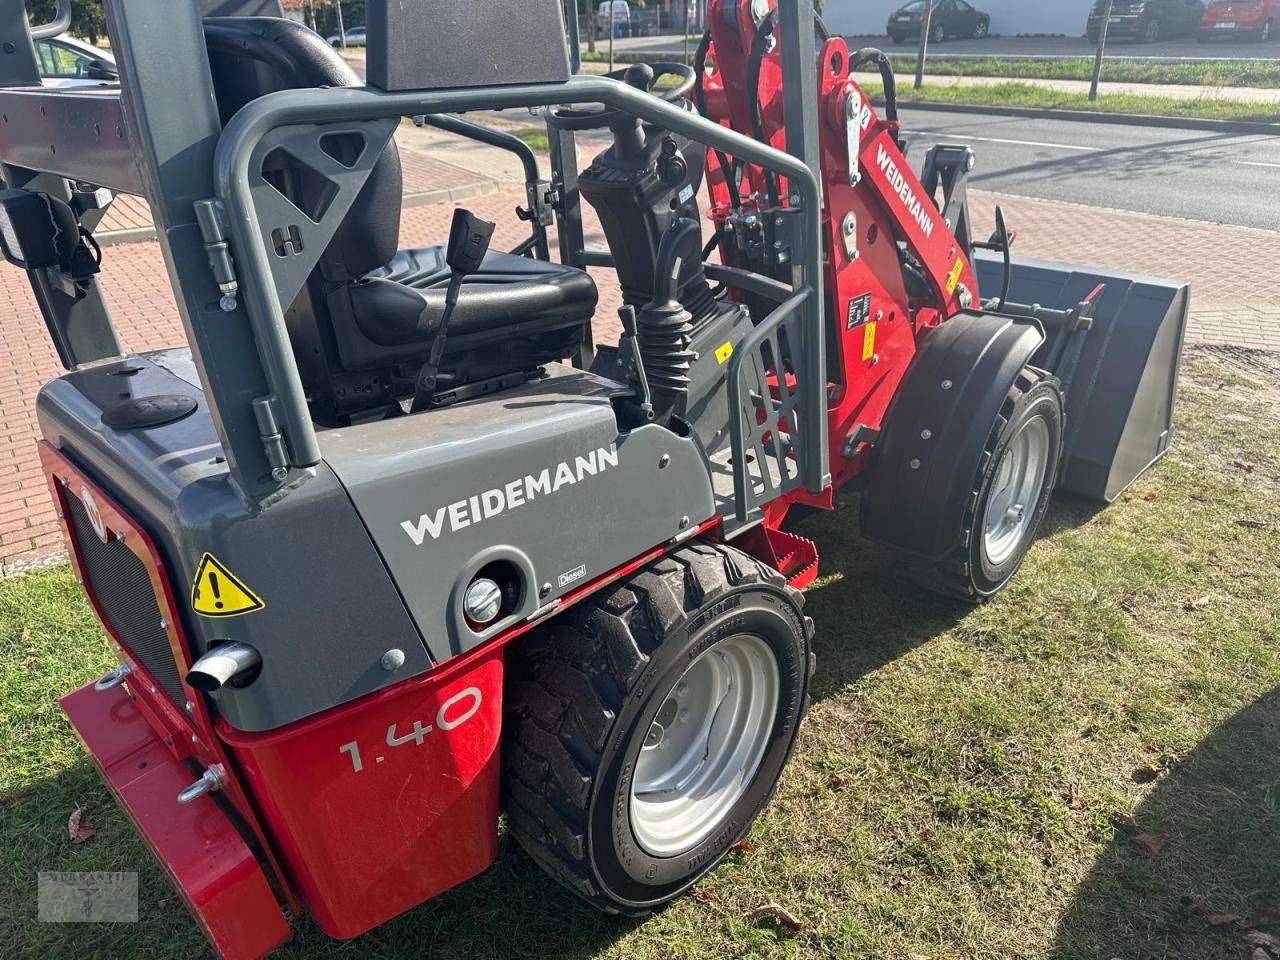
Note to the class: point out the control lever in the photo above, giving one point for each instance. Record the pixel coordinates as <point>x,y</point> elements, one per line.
<point>629,346</point>
<point>1002,242</point>
<point>468,243</point>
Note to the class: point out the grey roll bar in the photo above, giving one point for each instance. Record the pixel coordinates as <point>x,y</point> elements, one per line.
<point>232,169</point>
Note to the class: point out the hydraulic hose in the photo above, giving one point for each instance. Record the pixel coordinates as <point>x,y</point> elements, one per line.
<point>700,101</point>
<point>881,60</point>
<point>754,63</point>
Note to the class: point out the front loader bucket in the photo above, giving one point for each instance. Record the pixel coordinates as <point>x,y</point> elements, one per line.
<point>1120,395</point>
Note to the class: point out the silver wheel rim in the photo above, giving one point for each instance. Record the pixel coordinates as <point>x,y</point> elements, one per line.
<point>704,746</point>
<point>1015,490</point>
<point>980,31</point>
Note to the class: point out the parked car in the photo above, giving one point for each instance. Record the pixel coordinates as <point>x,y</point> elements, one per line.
<point>951,18</point>
<point>1258,18</point>
<point>1146,20</point>
<point>621,18</point>
<point>355,38</point>
<point>68,62</point>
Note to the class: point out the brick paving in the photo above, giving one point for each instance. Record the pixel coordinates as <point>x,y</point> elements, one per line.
<point>1235,290</point>
<point>426,180</point>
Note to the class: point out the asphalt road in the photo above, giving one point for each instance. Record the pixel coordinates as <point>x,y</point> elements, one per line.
<point>1197,175</point>
<point>1051,48</point>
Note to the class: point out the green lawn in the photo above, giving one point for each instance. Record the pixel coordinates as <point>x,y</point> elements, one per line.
<point>1202,73</point>
<point>970,782</point>
<point>1013,93</point>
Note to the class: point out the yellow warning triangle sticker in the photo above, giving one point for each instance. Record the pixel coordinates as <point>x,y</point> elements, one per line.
<point>217,592</point>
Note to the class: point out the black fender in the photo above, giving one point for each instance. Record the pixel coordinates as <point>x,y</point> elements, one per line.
<point>935,431</point>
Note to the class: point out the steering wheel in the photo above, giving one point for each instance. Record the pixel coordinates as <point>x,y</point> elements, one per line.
<point>642,76</point>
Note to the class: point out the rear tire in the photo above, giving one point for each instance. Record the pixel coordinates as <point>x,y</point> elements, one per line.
<point>938,34</point>
<point>1265,34</point>
<point>1152,33</point>
<point>594,698</point>
<point>1005,513</point>
<point>980,30</point>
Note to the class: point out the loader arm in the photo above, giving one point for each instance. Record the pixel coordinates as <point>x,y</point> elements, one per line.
<point>893,269</point>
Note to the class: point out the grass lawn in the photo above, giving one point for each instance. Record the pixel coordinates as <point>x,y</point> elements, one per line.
<point>1086,768</point>
<point>1202,73</point>
<point>1017,94</point>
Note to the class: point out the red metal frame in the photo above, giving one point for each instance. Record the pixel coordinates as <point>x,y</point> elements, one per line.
<point>211,866</point>
<point>889,203</point>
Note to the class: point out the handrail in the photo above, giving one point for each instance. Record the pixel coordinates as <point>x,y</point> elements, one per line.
<point>512,144</point>
<point>247,128</point>
<point>746,349</point>
<point>60,23</point>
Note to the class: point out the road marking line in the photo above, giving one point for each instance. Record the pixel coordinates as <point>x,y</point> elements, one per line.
<point>1021,143</point>
<point>1258,163</point>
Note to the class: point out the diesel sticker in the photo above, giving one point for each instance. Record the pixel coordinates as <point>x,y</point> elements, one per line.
<point>577,573</point>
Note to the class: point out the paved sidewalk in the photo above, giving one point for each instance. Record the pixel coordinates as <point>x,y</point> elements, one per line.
<point>1235,300</point>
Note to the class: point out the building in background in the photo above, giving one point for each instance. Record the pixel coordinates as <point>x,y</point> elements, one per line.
<point>1008,17</point>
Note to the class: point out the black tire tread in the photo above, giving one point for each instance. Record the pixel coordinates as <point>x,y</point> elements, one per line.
<point>570,680</point>
<point>951,575</point>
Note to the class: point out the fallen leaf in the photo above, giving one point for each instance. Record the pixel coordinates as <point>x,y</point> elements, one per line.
<point>1260,954</point>
<point>1199,603</point>
<point>78,826</point>
<point>1151,497</point>
<point>1242,465</point>
<point>1253,524</point>
<point>838,781</point>
<point>700,895</point>
<point>1152,842</point>
<point>1258,938</point>
<point>1146,773</point>
<point>1074,798</point>
<point>28,661</point>
<point>1125,821</point>
<point>778,914</point>
<point>1129,607</point>
<point>1262,918</point>
<point>744,846</point>
<point>1221,919</point>
<point>26,634</point>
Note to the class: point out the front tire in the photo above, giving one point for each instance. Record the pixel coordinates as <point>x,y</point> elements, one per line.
<point>938,34</point>
<point>1152,32</point>
<point>1011,494</point>
<point>980,30</point>
<point>648,726</point>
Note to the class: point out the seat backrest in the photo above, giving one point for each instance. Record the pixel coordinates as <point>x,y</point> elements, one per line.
<point>252,56</point>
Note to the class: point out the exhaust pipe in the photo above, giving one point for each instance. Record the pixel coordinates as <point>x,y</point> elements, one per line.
<point>221,665</point>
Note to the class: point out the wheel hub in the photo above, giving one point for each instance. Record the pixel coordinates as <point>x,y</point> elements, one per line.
<point>1016,490</point>
<point>704,745</point>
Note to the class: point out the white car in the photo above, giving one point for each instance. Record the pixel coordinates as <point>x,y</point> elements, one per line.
<point>67,62</point>
<point>355,38</point>
<point>621,17</point>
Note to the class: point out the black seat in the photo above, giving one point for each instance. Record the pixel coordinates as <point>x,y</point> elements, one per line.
<point>367,319</point>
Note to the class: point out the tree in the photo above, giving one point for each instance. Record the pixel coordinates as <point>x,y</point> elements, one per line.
<point>87,18</point>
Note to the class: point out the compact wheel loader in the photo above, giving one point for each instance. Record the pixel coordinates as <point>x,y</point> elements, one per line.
<point>390,545</point>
